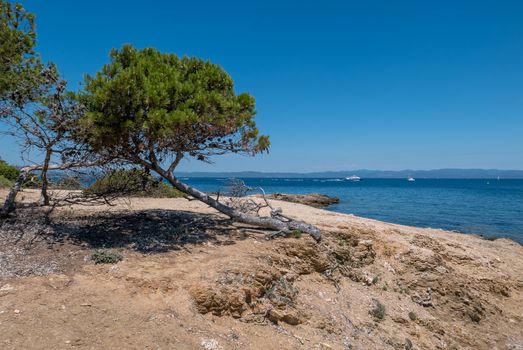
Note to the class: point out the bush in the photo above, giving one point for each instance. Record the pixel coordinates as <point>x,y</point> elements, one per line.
<point>100,257</point>
<point>163,190</point>
<point>67,183</point>
<point>32,181</point>
<point>413,316</point>
<point>136,183</point>
<point>8,171</point>
<point>5,183</point>
<point>378,311</point>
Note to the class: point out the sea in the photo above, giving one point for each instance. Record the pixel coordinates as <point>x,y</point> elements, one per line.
<point>491,208</point>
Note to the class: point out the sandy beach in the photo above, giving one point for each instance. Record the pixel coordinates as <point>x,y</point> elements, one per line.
<point>190,279</point>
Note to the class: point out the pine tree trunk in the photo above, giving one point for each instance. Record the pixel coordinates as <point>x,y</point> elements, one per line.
<point>260,221</point>
<point>44,196</point>
<point>9,203</point>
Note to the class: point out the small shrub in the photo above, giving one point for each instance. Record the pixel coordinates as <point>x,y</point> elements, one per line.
<point>100,257</point>
<point>296,233</point>
<point>8,171</point>
<point>283,292</point>
<point>134,182</point>
<point>32,181</point>
<point>67,183</point>
<point>342,240</point>
<point>375,280</point>
<point>163,190</point>
<point>378,311</point>
<point>5,183</point>
<point>413,316</point>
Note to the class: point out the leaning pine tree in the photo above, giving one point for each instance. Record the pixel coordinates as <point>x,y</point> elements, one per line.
<point>153,109</point>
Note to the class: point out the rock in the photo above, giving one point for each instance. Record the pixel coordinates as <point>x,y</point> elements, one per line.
<point>6,289</point>
<point>399,319</point>
<point>210,344</point>
<point>475,316</point>
<point>423,300</point>
<point>316,200</point>
<point>275,315</point>
<point>59,282</point>
<point>292,319</point>
<point>365,242</point>
<point>441,269</point>
<point>369,280</point>
<point>389,267</point>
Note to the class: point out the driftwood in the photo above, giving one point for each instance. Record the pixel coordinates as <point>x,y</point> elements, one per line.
<point>276,221</point>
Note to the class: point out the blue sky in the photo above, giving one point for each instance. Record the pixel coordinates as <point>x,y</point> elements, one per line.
<point>339,84</point>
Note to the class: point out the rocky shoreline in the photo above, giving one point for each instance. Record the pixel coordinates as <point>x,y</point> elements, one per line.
<point>316,200</point>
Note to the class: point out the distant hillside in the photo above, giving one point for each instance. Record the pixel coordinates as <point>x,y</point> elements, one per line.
<point>365,173</point>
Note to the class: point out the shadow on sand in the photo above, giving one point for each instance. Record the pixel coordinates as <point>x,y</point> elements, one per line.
<point>148,231</point>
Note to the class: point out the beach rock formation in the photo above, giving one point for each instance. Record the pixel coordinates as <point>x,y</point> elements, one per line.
<point>315,200</point>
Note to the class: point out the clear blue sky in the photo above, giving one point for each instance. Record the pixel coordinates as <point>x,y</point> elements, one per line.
<point>339,84</point>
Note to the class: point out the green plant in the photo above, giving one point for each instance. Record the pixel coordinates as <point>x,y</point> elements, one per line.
<point>103,257</point>
<point>375,280</point>
<point>163,190</point>
<point>8,171</point>
<point>19,65</point>
<point>296,233</point>
<point>413,316</point>
<point>150,106</point>
<point>342,240</point>
<point>32,181</point>
<point>5,183</point>
<point>67,183</point>
<point>378,311</point>
<point>133,182</point>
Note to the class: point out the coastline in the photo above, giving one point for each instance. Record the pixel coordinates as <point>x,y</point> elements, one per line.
<point>472,206</point>
<point>439,289</point>
<point>296,209</point>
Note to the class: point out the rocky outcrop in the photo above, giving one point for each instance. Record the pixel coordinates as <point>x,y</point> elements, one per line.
<point>315,200</point>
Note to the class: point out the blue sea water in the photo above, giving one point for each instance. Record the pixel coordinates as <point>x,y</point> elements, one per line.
<point>491,208</point>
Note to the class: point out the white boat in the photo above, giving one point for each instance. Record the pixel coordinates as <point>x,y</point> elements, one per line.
<point>353,178</point>
<point>411,179</point>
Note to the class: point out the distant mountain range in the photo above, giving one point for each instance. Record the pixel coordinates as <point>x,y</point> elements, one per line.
<point>365,173</point>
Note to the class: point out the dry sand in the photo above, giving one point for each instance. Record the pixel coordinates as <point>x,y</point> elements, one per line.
<point>190,280</point>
